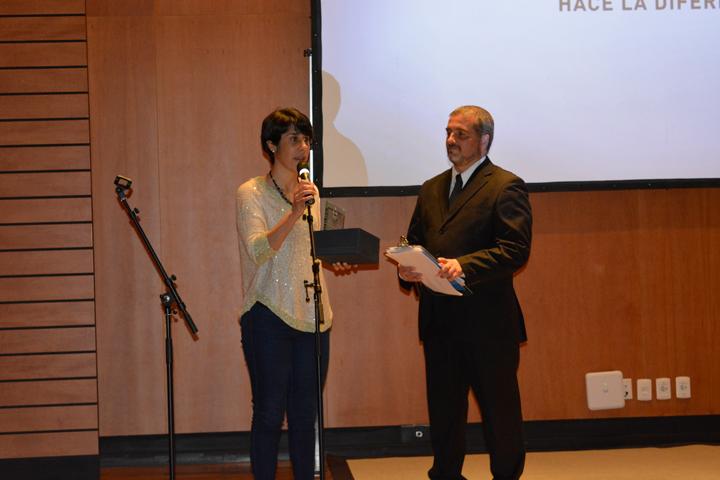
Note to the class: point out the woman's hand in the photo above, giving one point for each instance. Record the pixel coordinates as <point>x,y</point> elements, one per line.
<point>303,192</point>
<point>342,268</point>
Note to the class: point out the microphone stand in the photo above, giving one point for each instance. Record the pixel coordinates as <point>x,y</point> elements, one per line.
<point>169,298</point>
<point>317,296</point>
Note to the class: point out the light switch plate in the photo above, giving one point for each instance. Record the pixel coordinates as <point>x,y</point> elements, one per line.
<point>644,389</point>
<point>682,387</point>
<point>662,389</point>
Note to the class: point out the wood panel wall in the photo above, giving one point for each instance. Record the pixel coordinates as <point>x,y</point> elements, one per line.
<point>642,299</point>
<point>178,90</point>
<point>617,280</point>
<point>48,374</point>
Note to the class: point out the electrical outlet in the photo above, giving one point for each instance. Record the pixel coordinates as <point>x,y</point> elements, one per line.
<point>682,387</point>
<point>644,389</point>
<point>415,433</point>
<point>662,389</point>
<point>627,385</point>
<point>604,390</point>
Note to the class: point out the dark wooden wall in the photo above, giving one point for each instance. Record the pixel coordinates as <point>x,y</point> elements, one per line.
<point>48,379</point>
<point>177,89</point>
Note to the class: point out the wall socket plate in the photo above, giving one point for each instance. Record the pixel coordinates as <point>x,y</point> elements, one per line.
<point>604,390</point>
<point>682,387</point>
<point>644,389</point>
<point>662,389</point>
<point>627,386</point>
<point>415,433</point>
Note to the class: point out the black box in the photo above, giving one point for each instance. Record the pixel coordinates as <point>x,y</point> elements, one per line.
<point>350,245</point>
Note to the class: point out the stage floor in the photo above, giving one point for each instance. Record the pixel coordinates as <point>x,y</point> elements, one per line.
<point>336,470</point>
<point>696,462</point>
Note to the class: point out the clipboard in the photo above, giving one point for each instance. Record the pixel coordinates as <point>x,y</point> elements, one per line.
<point>424,262</point>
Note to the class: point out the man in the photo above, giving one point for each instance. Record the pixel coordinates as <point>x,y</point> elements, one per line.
<point>476,219</point>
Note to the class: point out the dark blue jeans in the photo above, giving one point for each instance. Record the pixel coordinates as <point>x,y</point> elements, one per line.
<point>282,367</point>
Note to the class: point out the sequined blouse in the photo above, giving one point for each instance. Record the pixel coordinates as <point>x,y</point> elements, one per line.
<point>275,278</point>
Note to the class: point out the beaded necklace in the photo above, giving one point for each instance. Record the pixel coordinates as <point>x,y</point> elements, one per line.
<point>277,187</point>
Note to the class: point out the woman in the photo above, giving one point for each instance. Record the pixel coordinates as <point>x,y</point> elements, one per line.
<point>277,323</point>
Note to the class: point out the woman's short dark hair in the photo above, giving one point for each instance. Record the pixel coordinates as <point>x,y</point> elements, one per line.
<point>279,122</point>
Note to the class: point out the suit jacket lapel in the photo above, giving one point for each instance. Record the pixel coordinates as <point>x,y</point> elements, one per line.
<point>476,182</point>
<point>443,191</point>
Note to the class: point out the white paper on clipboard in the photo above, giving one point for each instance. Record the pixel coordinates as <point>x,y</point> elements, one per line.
<point>416,256</point>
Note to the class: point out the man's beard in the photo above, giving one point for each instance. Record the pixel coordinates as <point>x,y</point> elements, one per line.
<point>453,155</point>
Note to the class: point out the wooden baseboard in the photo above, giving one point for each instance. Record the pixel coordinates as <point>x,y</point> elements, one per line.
<point>405,441</point>
<point>53,468</point>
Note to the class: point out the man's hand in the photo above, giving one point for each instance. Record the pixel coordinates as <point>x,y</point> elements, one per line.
<point>409,274</point>
<point>449,268</point>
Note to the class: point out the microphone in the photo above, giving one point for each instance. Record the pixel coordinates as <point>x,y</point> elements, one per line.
<point>303,169</point>
<point>122,182</point>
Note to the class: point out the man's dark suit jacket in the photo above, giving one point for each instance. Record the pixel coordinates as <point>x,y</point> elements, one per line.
<point>488,230</point>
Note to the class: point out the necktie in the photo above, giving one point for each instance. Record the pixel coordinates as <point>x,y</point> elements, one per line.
<point>456,189</point>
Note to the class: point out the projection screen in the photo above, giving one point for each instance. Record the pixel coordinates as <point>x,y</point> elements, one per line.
<point>581,90</point>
